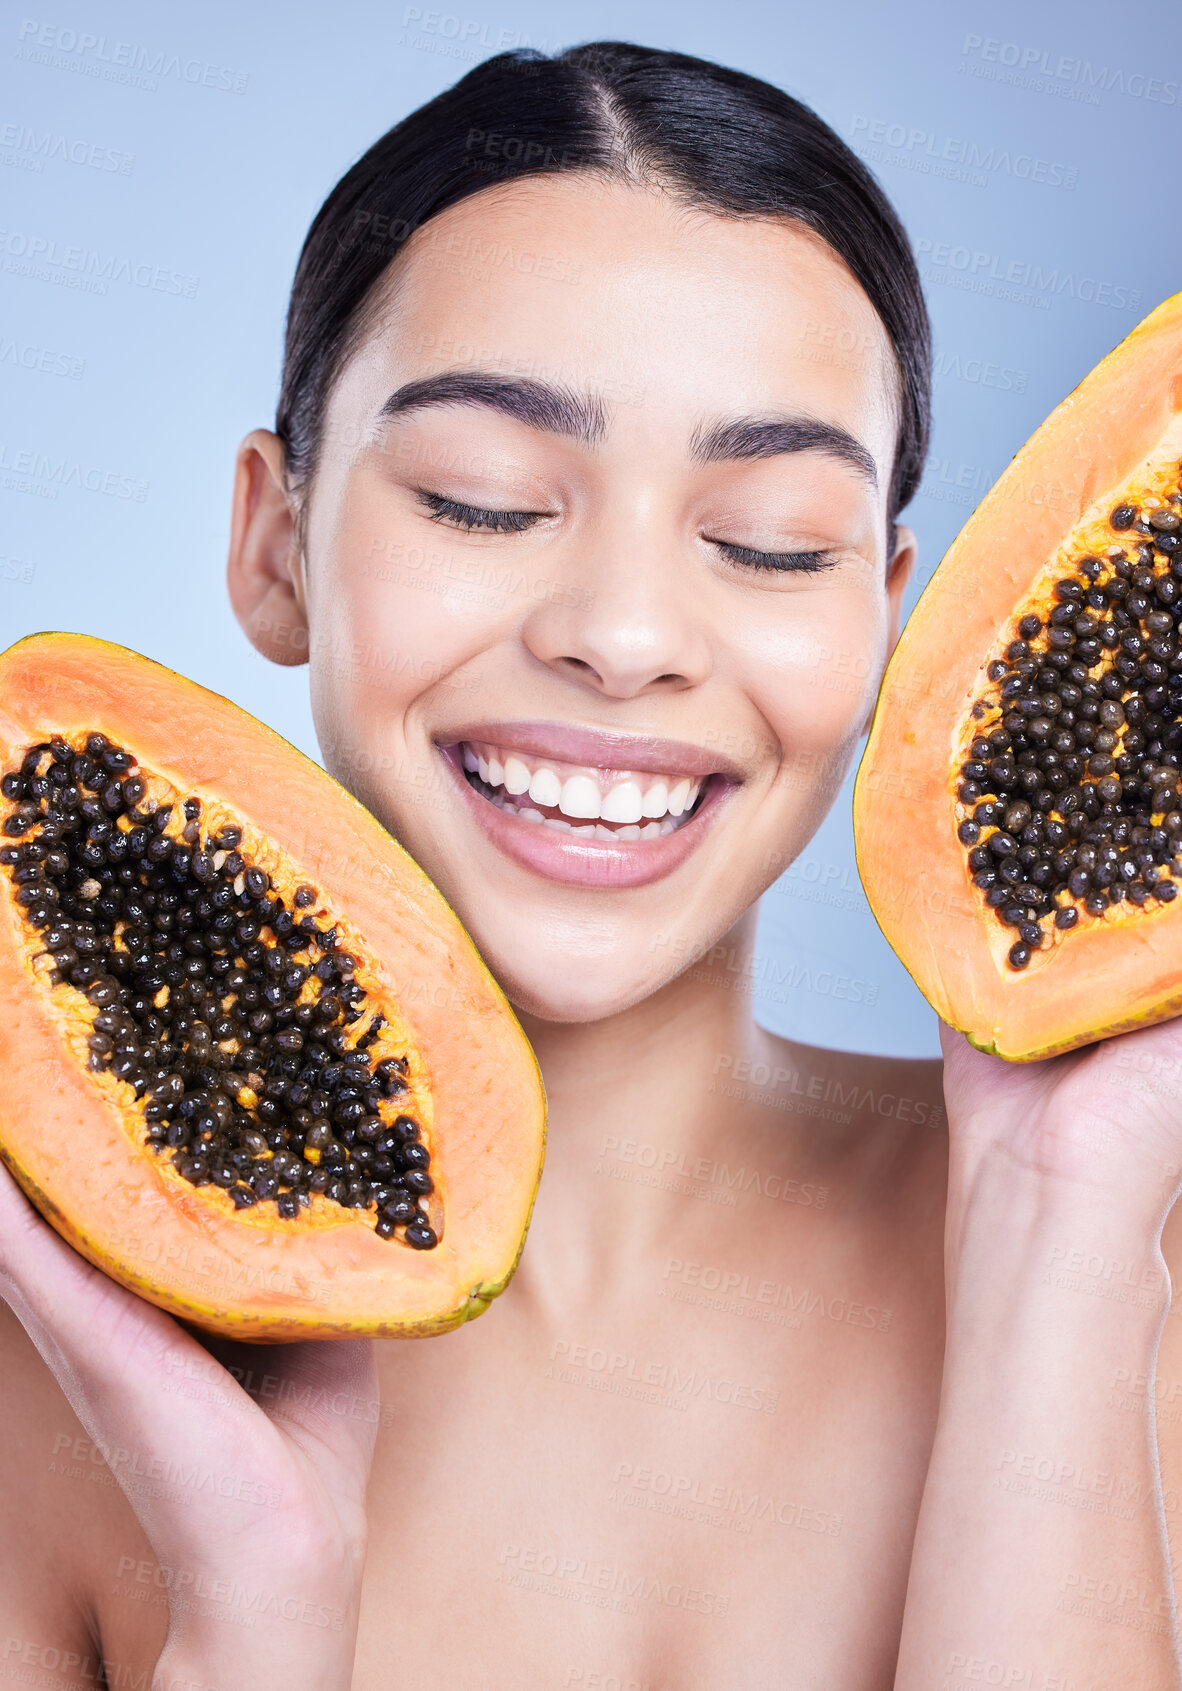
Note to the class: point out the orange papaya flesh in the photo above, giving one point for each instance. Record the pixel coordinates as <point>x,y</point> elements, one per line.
<point>255,1068</point>
<point>1018,810</point>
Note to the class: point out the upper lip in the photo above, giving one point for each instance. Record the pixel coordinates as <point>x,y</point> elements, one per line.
<point>599,748</point>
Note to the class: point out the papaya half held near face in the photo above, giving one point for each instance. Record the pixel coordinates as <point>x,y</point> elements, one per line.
<point>254,1068</point>
<point>1018,809</point>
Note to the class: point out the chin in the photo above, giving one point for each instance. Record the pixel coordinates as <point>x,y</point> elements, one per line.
<point>564,987</point>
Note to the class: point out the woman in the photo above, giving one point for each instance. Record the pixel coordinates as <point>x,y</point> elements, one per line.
<point>586,536</point>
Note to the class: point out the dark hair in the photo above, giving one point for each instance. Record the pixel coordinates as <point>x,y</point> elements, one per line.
<point>718,139</point>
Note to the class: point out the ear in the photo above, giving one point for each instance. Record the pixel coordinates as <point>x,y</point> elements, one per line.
<point>265,568</point>
<point>899,572</point>
<point>898,575</point>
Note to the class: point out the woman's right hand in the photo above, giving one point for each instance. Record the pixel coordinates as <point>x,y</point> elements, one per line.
<point>263,1494</point>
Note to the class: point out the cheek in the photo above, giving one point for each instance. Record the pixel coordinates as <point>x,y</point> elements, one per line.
<point>395,612</point>
<point>813,666</point>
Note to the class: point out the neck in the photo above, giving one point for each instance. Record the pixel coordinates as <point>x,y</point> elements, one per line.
<point>636,1090</point>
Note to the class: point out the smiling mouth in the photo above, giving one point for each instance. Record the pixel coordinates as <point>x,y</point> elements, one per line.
<point>609,806</point>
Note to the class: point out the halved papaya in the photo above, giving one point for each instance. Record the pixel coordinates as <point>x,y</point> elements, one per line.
<point>254,1068</point>
<point>1018,810</point>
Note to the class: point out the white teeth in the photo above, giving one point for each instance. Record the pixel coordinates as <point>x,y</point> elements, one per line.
<point>589,829</point>
<point>679,796</point>
<point>516,776</point>
<point>639,812</point>
<point>545,787</point>
<point>579,797</point>
<point>623,803</point>
<point>656,800</point>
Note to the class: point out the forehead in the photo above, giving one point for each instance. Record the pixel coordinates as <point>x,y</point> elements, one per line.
<point>661,308</point>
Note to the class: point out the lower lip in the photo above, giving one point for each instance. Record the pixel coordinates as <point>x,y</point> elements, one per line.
<point>583,862</point>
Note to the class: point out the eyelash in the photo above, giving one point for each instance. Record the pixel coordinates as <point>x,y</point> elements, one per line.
<point>470,517</point>
<point>473,517</point>
<point>801,563</point>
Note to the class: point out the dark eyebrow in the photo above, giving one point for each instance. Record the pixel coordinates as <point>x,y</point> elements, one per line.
<point>753,437</point>
<point>540,405</point>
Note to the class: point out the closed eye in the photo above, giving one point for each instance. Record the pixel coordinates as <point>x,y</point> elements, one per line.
<point>471,517</point>
<point>802,562</point>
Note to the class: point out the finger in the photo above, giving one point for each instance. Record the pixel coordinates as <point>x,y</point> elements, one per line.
<point>117,1358</point>
<point>76,1316</point>
<point>320,1390</point>
<point>144,1387</point>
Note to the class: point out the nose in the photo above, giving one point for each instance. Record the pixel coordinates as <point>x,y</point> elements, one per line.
<point>623,614</point>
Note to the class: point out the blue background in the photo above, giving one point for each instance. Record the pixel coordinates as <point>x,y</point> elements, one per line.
<point>160,166</point>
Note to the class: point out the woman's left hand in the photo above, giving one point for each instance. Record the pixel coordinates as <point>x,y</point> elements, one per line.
<point>1042,1482</point>
<point>1107,1117</point>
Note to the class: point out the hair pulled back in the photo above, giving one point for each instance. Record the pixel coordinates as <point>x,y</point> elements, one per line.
<point>717,138</point>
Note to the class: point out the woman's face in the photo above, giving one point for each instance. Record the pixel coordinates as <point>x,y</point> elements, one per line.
<point>594,571</point>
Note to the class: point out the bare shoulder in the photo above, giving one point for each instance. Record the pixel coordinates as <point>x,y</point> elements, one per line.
<point>868,1132</point>
<point>857,1100</point>
<point>64,1524</point>
<point>854,1148</point>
